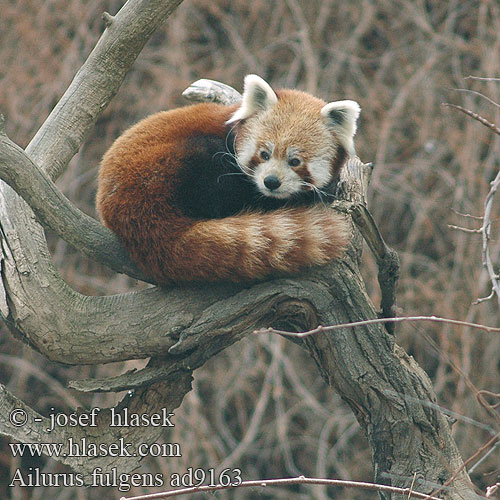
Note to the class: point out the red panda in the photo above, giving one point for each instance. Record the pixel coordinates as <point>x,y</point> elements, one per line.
<point>210,192</point>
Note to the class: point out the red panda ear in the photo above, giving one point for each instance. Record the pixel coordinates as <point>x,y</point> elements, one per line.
<point>342,117</point>
<point>257,96</point>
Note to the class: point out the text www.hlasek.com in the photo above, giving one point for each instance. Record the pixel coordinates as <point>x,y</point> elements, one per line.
<point>84,448</point>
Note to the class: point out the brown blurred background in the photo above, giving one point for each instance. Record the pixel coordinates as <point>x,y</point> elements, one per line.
<point>262,406</point>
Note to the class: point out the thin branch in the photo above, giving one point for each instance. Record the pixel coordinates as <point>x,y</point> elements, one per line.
<point>482,393</point>
<point>477,117</point>
<point>491,101</point>
<point>482,78</point>
<point>286,482</point>
<point>492,450</point>
<point>465,229</point>
<point>484,299</point>
<point>486,231</point>
<point>467,215</point>
<point>401,319</point>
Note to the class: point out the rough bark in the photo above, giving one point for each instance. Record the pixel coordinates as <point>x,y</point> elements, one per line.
<point>390,395</point>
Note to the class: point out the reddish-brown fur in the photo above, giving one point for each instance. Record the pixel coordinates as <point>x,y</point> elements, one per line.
<point>137,181</point>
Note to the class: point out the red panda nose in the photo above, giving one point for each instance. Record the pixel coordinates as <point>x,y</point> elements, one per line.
<point>272,182</point>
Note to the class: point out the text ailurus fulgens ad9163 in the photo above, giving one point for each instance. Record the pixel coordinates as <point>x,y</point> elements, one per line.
<point>210,192</point>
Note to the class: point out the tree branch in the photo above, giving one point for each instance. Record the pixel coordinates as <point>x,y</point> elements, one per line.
<point>399,319</point>
<point>211,91</point>
<point>96,83</point>
<point>486,232</point>
<point>38,306</point>
<point>55,211</point>
<point>264,483</point>
<point>477,117</point>
<point>485,229</point>
<point>387,261</point>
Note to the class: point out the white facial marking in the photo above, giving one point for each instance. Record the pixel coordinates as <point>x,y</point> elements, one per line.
<point>319,169</point>
<point>291,183</point>
<point>245,154</point>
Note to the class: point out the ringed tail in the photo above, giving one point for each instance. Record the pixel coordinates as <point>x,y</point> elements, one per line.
<point>245,247</point>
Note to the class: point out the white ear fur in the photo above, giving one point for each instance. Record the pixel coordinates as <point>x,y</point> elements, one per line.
<point>257,96</point>
<point>342,117</point>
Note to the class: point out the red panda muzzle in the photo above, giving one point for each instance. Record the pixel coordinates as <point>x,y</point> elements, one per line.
<point>272,182</point>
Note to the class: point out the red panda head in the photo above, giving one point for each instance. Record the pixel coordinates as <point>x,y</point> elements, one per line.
<point>289,141</point>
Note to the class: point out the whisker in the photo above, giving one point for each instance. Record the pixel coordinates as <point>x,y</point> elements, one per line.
<point>234,140</point>
<point>230,173</point>
<point>322,195</point>
<point>225,154</point>
<point>234,160</point>
<point>242,167</point>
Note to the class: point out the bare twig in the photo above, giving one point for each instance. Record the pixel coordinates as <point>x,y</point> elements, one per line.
<point>465,229</point>
<point>483,78</point>
<point>484,299</point>
<point>285,482</point>
<point>401,319</point>
<point>492,450</point>
<point>477,117</point>
<point>491,101</point>
<point>469,216</point>
<point>481,394</point>
<point>486,231</point>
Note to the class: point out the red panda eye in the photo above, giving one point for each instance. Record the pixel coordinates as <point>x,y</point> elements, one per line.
<point>294,162</point>
<point>265,155</point>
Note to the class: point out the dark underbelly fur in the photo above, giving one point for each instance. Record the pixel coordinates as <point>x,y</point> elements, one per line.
<point>212,186</point>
